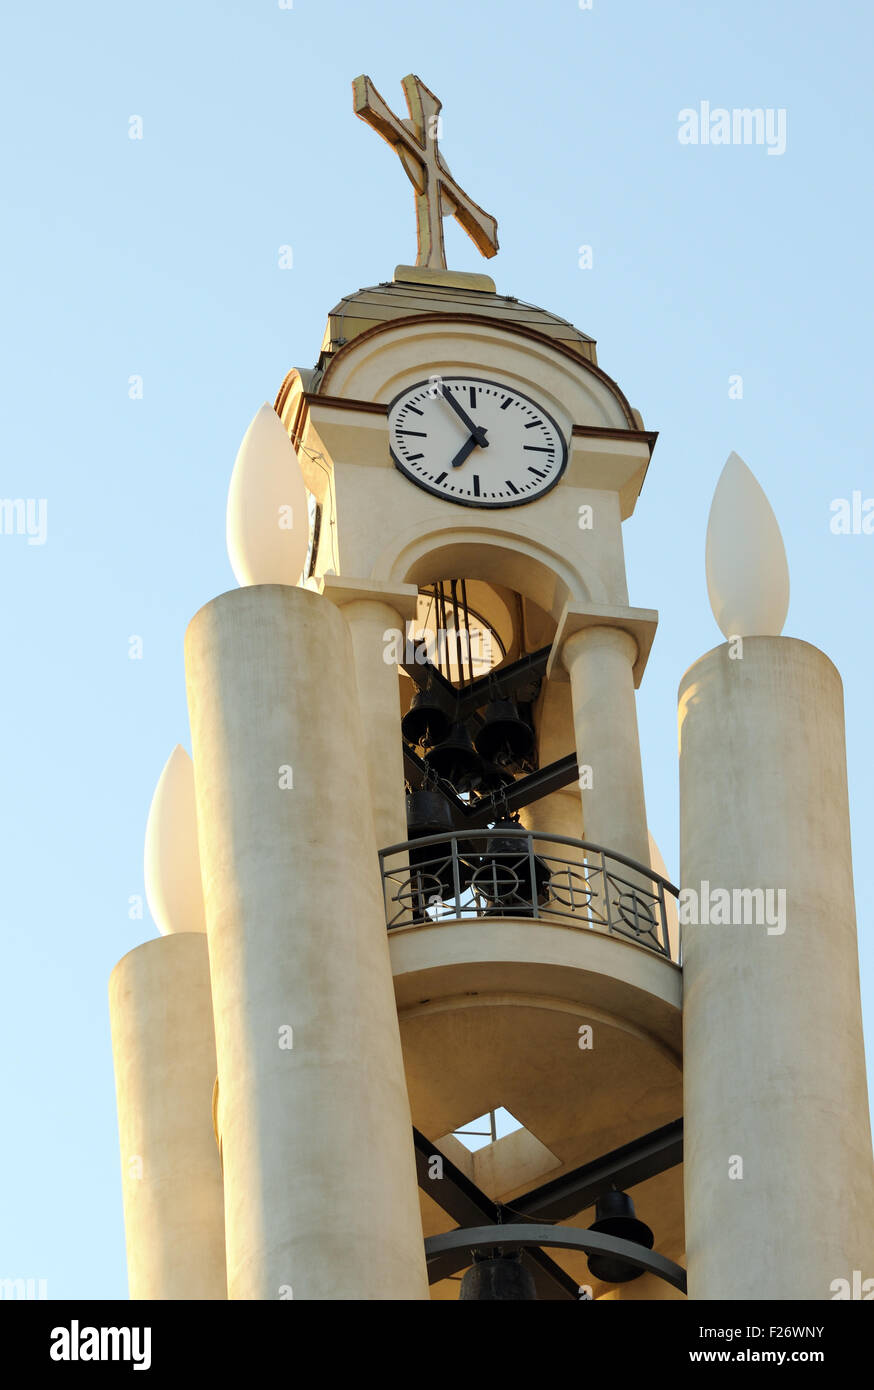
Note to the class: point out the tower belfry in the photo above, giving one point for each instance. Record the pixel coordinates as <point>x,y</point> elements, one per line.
<point>406,880</point>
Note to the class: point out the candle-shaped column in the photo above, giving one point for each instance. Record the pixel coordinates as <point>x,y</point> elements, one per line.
<point>164,1052</point>
<point>779,1183</point>
<point>321,1194</point>
<point>377,615</point>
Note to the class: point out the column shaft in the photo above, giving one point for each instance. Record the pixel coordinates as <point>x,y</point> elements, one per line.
<point>164,1052</point>
<point>600,663</point>
<point>778,1167</point>
<point>321,1198</point>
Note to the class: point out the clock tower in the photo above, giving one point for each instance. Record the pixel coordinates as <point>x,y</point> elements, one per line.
<point>429,890</point>
<point>471,467</point>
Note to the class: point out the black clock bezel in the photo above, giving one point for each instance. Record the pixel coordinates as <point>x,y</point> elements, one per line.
<point>478,503</point>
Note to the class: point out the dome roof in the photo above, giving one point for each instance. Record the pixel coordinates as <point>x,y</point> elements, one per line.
<point>368,308</point>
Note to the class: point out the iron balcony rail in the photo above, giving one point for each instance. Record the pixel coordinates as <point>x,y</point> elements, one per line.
<point>521,873</point>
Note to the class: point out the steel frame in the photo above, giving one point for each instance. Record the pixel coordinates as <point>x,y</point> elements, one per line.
<point>482,1224</point>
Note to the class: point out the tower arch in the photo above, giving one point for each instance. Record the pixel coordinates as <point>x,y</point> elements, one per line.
<point>517,560</point>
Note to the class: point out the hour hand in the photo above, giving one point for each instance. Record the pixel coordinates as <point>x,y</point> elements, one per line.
<point>477,431</point>
<point>463,452</point>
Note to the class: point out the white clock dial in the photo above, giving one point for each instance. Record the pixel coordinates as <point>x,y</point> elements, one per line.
<point>475,442</point>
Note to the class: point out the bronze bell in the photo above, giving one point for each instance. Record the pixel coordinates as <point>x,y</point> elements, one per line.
<point>454,757</point>
<point>429,813</point>
<point>427,720</point>
<point>499,1275</point>
<point>504,878</point>
<point>614,1216</point>
<point>504,736</point>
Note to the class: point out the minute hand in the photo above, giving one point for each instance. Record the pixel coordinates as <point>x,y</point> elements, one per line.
<point>477,431</point>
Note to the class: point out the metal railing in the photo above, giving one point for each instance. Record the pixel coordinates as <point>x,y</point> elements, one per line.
<point>520,873</point>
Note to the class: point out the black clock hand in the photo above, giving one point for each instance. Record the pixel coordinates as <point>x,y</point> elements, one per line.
<point>477,431</point>
<point>463,452</point>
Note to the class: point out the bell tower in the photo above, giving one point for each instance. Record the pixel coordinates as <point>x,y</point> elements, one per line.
<point>420,854</point>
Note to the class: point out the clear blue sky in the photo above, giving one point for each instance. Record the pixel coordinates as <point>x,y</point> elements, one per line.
<point>160,258</point>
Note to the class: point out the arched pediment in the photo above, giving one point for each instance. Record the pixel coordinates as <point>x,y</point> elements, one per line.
<point>381,362</point>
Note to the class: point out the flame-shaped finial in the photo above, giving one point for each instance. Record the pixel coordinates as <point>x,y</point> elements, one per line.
<point>267,521</point>
<point>747,574</point>
<point>172,859</point>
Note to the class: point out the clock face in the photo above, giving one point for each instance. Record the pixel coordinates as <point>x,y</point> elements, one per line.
<point>475,442</point>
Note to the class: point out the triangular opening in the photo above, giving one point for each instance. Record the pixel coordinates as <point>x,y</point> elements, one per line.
<point>494,1124</point>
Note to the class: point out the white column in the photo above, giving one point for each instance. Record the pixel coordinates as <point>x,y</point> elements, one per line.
<point>321,1198</point>
<point>164,1052</point>
<point>560,813</point>
<point>774,1068</point>
<point>374,615</point>
<point>600,662</point>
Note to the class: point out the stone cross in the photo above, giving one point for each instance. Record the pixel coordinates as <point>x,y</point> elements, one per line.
<point>437,193</point>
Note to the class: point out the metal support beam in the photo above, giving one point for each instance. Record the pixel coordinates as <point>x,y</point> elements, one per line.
<point>544,782</point>
<point>520,681</point>
<point>470,1207</point>
<point>554,1201</point>
<point>453,1191</point>
<point>622,1168</point>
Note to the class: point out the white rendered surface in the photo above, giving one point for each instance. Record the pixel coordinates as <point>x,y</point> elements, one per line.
<point>747,573</point>
<point>321,1194</point>
<point>267,518</point>
<point>171,859</point>
<point>774,1063</point>
<point>164,1052</point>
